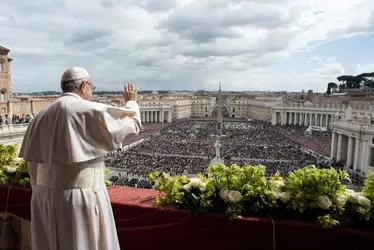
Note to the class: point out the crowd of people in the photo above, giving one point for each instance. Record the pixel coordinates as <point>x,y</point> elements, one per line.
<point>188,146</point>
<point>319,142</point>
<point>9,119</point>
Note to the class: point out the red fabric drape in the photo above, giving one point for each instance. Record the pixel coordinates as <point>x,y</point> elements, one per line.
<point>142,226</point>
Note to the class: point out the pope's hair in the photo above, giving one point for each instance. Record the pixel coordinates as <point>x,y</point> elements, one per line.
<point>72,86</point>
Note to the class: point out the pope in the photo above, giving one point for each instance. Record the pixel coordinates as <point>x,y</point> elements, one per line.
<point>64,147</point>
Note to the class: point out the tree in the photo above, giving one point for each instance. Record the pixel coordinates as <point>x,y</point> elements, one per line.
<point>367,79</point>
<point>331,88</point>
<point>350,82</point>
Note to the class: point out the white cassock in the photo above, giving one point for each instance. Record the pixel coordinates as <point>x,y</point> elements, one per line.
<point>64,147</point>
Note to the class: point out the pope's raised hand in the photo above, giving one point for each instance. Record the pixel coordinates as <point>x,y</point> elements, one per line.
<point>130,93</point>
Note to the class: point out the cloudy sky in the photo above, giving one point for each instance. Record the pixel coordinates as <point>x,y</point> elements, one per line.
<point>187,44</point>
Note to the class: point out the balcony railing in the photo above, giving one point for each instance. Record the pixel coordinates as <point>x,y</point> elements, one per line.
<point>359,126</point>
<point>141,225</point>
<point>13,128</point>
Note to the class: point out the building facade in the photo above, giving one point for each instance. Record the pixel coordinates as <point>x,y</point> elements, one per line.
<point>5,81</point>
<point>311,114</point>
<point>252,108</point>
<point>353,143</point>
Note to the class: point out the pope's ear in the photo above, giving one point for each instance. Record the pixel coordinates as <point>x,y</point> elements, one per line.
<point>84,86</point>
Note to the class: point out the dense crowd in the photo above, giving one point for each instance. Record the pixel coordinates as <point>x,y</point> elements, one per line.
<point>187,147</point>
<point>320,142</point>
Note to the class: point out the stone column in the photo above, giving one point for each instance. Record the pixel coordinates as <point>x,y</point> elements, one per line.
<point>300,119</point>
<point>356,154</point>
<point>349,152</point>
<point>162,116</point>
<point>294,118</point>
<point>333,146</point>
<point>315,119</point>
<point>310,119</point>
<point>364,158</point>
<point>289,118</point>
<point>339,153</point>
<point>305,119</point>
<point>327,121</point>
<point>169,116</point>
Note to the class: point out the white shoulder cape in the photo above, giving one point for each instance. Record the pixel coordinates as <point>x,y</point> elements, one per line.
<point>73,130</point>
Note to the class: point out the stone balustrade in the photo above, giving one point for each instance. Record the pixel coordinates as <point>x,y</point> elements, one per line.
<point>13,128</point>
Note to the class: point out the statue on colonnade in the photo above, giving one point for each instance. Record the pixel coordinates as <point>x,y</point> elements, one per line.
<point>348,113</point>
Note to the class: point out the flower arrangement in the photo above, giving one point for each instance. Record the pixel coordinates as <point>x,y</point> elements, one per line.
<point>13,170</point>
<point>307,193</point>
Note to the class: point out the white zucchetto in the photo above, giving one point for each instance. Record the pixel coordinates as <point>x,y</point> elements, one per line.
<point>74,74</point>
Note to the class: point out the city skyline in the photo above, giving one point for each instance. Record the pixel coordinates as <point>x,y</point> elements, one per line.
<point>178,45</point>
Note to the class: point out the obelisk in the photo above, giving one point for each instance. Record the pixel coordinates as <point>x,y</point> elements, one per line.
<point>219,111</point>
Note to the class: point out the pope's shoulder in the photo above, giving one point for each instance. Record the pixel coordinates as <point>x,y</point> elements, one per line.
<point>68,104</point>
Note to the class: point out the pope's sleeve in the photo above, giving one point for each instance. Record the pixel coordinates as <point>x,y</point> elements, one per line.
<point>111,130</point>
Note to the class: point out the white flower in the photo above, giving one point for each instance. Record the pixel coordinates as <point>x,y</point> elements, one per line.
<point>195,183</point>
<point>224,194</point>
<point>17,160</point>
<point>276,194</point>
<point>353,197</point>
<point>324,202</point>
<point>188,187</point>
<point>339,199</point>
<point>284,197</point>
<point>365,202</point>
<point>349,191</point>
<point>10,169</point>
<point>279,183</point>
<point>234,196</point>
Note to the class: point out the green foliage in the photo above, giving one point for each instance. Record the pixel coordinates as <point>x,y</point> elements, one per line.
<point>13,170</point>
<point>241,190</point>
<point>368,189</point>
<point>327,221</point>
<point>106,173</point>
<point>331,87</point>
<point>234,189</point>
<point>7,154</point>
<point>172,186</point>
<point>313,188</point>
<point>253,191</point>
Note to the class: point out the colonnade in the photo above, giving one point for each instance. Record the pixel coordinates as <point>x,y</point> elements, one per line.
<point>158,116</point>
<point>303,118</point>
<point>353,150</point>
